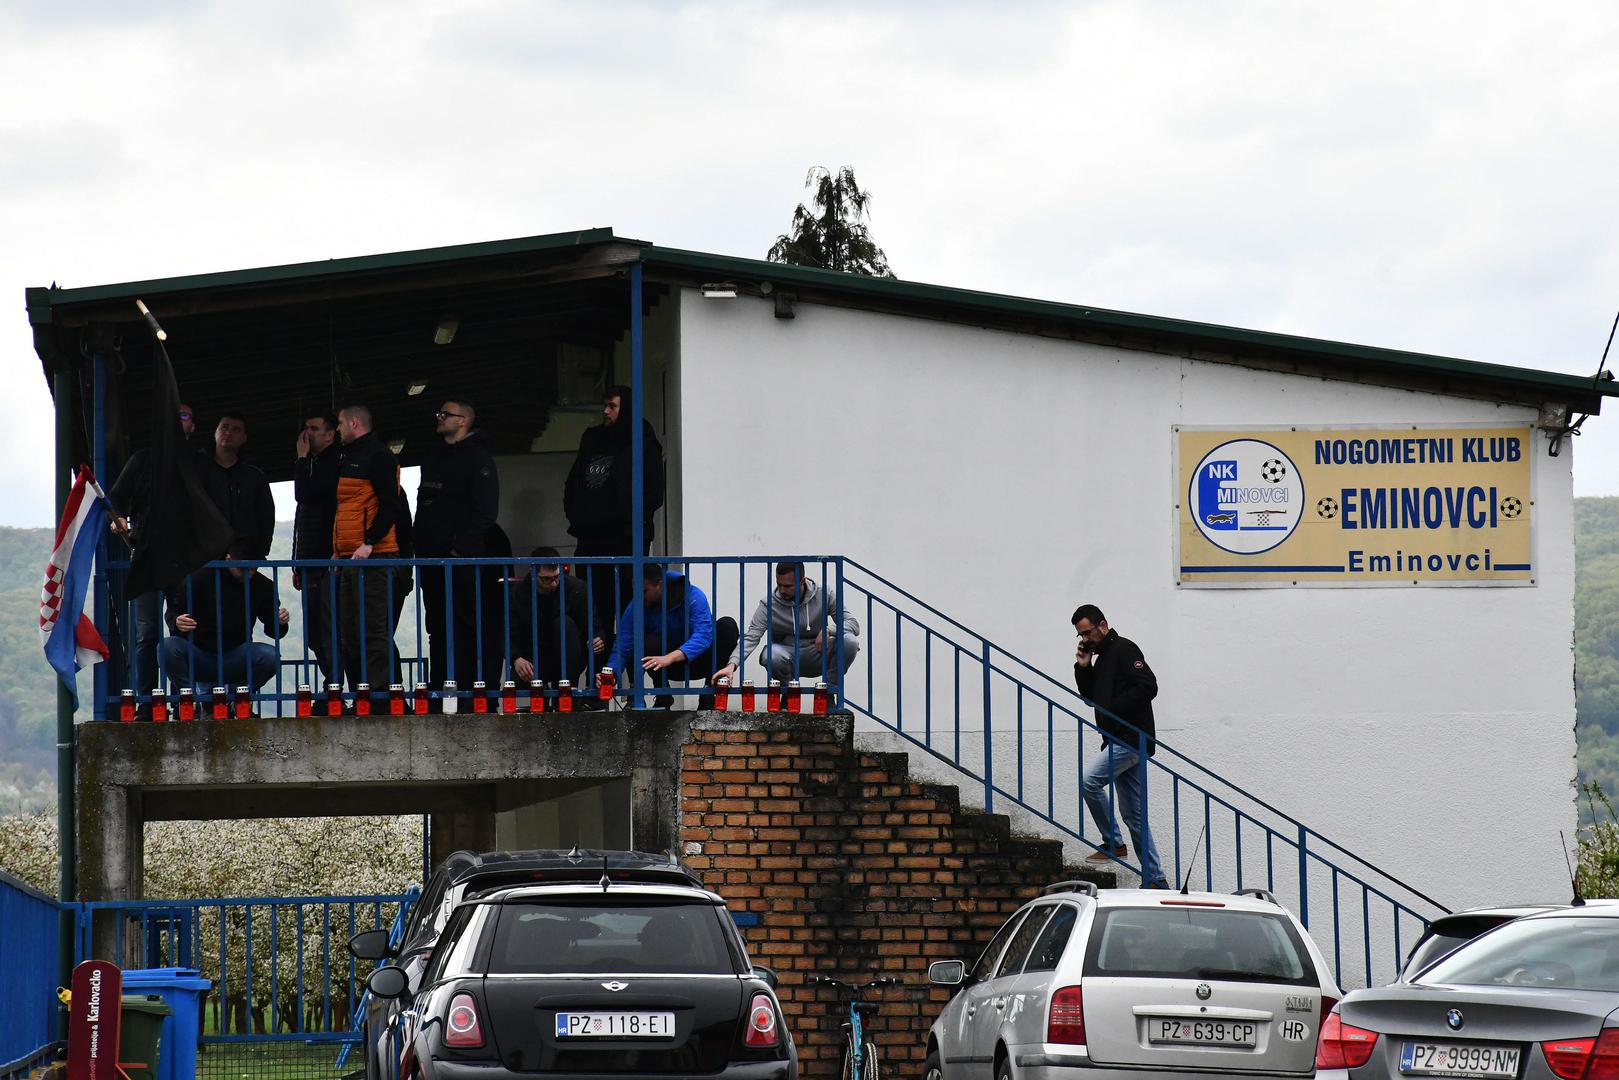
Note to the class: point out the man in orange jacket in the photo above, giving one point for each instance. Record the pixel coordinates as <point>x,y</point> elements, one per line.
<point>368,506</point>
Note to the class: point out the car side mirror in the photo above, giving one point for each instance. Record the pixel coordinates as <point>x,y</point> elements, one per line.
<point>389,982</point>
<point>370,945</point>
<point>766,975</point>
<point>947,972</point>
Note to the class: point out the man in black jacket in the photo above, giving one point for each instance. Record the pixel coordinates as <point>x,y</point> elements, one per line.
<point>598,499</point>
<point>130,496</point>
<point>1114,677</point>
<point>239,490</point>
<point>314,485</point>
<point>211,616</point>
<point>456,506</point>
<point>555,623</point>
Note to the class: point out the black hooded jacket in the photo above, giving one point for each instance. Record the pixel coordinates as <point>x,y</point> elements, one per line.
<point>458,499</point>
<point>1120,683</point>
<point>598,495</point>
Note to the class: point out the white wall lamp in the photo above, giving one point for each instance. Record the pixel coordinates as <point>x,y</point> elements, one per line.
<point>447,326</point>
<point>415,389</point>
<point>719,290</point>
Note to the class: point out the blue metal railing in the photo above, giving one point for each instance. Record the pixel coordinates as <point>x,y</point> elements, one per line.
<point>277,963</point>
<point>1020,737</point>
<point>489,621</point>
<point>28,974</point>
<point>396,934</point>
<point>1005,726</point>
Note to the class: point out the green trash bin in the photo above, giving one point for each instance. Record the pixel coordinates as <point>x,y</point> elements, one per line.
<point>142,1017</point>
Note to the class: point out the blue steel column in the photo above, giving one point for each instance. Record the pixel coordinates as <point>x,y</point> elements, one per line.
<point>102,601</point>
<point>638,491</point>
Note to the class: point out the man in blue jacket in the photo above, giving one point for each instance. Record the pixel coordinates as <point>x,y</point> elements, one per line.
<point>683,641</point>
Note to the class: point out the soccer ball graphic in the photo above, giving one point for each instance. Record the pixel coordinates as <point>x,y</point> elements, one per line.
<point>1273,471</point>
<point>1511,506</point>
<point>1327,508</point>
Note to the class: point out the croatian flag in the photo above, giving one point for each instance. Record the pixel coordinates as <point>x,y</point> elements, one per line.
<point>71,640</point>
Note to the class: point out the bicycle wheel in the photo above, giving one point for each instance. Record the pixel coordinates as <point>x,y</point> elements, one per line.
<point>869,1069</point>
<point>847,1071</point>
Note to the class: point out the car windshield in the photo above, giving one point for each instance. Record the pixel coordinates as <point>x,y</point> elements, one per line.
<point>1198,943</point>
<point>601,938</point>
<point>1568,953</point>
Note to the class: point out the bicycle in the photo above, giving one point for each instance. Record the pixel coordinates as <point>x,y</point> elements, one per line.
<point>859,1055</point>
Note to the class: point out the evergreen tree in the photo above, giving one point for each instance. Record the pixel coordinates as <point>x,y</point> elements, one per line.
<point>832,235</point>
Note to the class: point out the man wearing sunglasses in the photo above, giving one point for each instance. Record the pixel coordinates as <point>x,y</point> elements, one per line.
<point>456,506</point>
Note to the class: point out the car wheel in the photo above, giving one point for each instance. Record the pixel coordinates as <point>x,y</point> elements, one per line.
<point>930,1067</point>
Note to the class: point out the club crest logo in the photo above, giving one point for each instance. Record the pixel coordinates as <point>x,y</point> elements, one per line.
<point>1246,496</point>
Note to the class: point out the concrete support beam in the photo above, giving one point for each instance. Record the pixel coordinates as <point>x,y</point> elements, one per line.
<point>459,769</point>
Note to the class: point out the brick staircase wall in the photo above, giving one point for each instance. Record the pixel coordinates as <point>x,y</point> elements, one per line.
<point>853,869</point>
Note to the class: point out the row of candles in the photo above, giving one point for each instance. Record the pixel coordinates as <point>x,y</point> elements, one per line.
<point>223,706</point>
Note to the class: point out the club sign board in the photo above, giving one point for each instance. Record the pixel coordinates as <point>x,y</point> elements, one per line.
<point>1354,506</point>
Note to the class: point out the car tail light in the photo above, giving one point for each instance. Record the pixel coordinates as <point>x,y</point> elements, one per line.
<point>461,1027</point>
<point>1568,1057</point>
<point>1066,1021</point>
<point>1595,1058</point>
<point>1327,1005</point>
<point>1343,1046</point>
<point>761,1023</point>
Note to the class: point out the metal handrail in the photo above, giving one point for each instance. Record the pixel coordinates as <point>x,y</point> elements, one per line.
<point>888,603</point>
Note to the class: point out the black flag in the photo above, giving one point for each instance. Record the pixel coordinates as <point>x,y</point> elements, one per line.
<point>181,527</point>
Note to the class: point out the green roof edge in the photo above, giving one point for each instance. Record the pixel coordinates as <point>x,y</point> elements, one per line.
<point>1103,318</point>
<point>324,268</point>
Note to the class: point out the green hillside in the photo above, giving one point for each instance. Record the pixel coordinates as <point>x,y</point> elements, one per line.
<point>28,689</point>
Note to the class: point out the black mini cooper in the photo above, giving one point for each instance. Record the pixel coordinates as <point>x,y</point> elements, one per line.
<point>598,979</point>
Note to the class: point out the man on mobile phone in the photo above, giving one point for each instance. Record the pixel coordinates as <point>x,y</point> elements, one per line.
<point>1114,677</point>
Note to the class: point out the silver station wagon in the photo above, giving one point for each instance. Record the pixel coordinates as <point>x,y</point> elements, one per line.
<point>1135,983</point>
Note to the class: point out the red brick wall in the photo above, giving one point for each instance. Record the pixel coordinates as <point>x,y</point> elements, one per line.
<point>853,869</point>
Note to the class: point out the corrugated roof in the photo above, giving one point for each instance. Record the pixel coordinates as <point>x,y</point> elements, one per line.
<point>889,294</point>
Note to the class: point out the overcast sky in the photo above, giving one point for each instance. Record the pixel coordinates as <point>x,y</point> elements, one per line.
<point>1432,177</point>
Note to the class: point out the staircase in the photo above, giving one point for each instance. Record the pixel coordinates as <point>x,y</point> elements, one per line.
<point>1020,740</point>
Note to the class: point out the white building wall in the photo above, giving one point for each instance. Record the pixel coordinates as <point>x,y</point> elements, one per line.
<point>1007,478</point>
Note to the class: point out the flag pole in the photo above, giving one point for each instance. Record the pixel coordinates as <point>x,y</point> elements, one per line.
<point>66,751</point>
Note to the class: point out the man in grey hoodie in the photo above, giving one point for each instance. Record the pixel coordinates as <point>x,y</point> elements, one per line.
<point>802,624</point>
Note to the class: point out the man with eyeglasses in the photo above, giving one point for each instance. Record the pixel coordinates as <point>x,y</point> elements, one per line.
<point>555,623</point>
<point>806,631</point>
<point>1113,676</point>
<point>456,507</point>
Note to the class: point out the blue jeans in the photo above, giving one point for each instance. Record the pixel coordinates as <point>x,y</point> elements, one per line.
<point>148,608</point>
<point>1122,767</point>
<point>250,665</point>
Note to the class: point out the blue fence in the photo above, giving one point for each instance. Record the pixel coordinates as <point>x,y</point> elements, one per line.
<point>1019,735</point>
<point>1024,740</point>
<point>286,994</point>
<point>28,975</point>
<point>420,634</point>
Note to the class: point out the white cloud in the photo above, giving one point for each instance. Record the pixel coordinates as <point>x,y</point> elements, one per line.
<point>1427,177</point>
